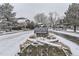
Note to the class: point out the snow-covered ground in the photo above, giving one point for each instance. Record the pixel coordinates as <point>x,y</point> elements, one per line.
<point>71,30</point>
<point>4,33</point>
<point>9,44</point>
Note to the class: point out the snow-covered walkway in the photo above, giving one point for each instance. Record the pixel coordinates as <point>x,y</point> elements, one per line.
<point>67,33</point>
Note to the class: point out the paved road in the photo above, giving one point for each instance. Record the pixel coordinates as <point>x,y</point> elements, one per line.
<point>9,44</point>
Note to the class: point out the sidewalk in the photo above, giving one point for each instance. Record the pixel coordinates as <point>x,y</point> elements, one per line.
<point>67,33</point>
<point>6,33</point>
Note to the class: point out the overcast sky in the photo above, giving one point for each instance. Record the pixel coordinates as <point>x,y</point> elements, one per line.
<point>30,9</point>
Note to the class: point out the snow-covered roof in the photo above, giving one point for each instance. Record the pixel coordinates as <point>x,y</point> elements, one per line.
<point>21,21</point>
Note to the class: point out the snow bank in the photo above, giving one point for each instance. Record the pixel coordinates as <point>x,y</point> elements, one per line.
<point>74,47</point>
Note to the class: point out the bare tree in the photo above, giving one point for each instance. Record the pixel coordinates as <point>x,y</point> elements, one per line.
<point>41,18</point>
<point>53,18</point>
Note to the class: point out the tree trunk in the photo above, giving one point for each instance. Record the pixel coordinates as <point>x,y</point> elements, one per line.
<point>74,28</point>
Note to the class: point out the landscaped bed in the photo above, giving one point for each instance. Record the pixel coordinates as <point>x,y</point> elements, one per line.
<point>43,46</point>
